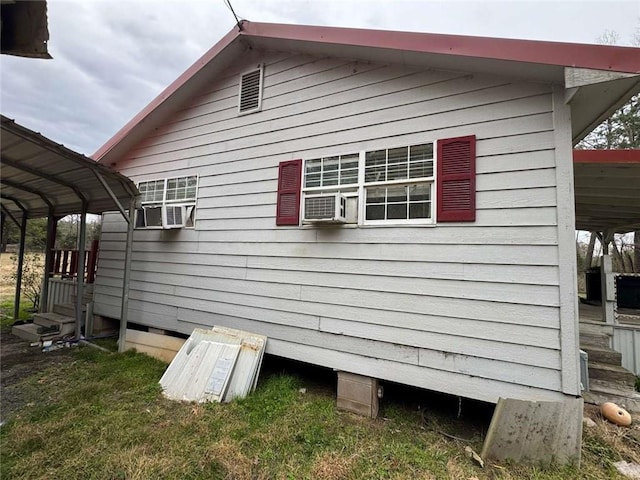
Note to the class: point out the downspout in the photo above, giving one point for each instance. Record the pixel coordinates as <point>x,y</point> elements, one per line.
<point>80,268</point>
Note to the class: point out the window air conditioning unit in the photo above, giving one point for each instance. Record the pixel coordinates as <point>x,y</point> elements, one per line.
<point>325,209</point>
<point>174,216</point>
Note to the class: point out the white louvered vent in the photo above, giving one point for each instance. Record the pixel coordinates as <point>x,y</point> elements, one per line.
<point>251,91</point>
<point>325,208</point>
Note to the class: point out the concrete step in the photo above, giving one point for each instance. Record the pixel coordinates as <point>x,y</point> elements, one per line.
<point>48,319</point>
<point>600,392</point>
<point>66,325</point>
<point>29,332</point>
<point>67,309</point>
<point>602,355</point>
<point>612,374</point>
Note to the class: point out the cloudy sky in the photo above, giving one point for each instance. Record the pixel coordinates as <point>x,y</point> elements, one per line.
<point>111,58</point>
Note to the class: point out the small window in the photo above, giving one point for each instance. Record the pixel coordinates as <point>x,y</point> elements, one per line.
<point>250,98</point>
<point>401,202</point>
<point>167,203</point>
<point>331,171</point>
<point>398,184</point>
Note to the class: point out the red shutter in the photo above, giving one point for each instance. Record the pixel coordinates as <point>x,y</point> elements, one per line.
<point>288,205</point>
<point>456,180</point>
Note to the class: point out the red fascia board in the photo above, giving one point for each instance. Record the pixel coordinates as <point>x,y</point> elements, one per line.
<point>600,57</point>
<point>606,156</point>
<point>166,93</point>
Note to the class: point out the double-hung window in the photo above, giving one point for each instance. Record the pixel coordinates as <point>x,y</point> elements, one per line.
<point>384,186</point>
<point>398,185</point>
<point>167,203</point>
<point>393,185</point>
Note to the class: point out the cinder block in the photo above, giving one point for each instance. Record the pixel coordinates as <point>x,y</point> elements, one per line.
<point>358,394</point>
<point>104,325</point>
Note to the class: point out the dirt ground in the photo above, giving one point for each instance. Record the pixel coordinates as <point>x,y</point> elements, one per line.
<point>17,361</point>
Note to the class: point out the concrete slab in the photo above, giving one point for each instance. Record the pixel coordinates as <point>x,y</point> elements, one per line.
<point>537,433</point>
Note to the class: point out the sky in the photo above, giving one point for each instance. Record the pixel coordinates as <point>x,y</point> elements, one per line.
<point>111,58</point>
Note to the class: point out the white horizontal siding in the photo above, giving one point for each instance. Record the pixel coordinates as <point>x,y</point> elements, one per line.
<point>470,308</point>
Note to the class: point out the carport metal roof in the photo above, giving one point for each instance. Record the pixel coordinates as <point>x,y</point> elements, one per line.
<point>40,177</point>
<point>607,190</point>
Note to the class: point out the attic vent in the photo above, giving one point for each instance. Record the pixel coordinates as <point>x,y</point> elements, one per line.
<point>251,91</point>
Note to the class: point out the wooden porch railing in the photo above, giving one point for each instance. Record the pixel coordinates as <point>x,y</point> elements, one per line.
<point>64,263</point>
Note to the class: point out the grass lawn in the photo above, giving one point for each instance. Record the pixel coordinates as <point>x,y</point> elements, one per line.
<point>102,416</point>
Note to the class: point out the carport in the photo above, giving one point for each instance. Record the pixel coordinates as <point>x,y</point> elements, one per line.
<point>41,178</point>
<point>607,197</point>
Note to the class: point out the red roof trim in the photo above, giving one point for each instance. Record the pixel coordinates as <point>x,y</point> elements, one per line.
<point>166,93</point>
<point>606,156</point>
<point>600,57</point>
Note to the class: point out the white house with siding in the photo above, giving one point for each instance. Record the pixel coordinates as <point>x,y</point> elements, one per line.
<point>450,261</point>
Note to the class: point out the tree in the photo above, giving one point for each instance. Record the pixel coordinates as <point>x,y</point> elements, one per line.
<point>36,237</point>
<point>68,229</point>
<point>32,271</point>
<point>621,130</point>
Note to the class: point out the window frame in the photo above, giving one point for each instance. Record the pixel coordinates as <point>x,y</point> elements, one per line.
<point>165,202</point>
<point>359,189</point>
<point>363,185</point>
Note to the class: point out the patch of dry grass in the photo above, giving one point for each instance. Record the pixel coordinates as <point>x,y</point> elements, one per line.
<point>7,285</point>
<point>332,466</point>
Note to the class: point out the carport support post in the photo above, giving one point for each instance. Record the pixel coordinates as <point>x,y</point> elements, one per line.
<point>607,288</point>
<point>80,271</point>
<point>52,223</point>
<point>125,277</point>
<point>589,258</point>
<point>23,234</point>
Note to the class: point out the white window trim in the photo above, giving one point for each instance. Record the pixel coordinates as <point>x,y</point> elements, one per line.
<point>164,201</point>
<point>360,189</point>
<point>260,90</point>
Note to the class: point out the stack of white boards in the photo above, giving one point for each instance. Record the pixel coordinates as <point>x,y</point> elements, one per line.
<point>215,365</point>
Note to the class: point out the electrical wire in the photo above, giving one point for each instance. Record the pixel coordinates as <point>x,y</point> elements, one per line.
<point>238,21</point>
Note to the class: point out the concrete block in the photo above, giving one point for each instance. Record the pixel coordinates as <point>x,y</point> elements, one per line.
<point>358,394</point>
<point>104,325</point>
<point>536,433</point>
<point>162,347</point>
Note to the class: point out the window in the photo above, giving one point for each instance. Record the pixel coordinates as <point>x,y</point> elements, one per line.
<point>384,186</point>
<point>398,184</point>
<point>331,171</point>
<point>250,96</point>
<point>167,203</point>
